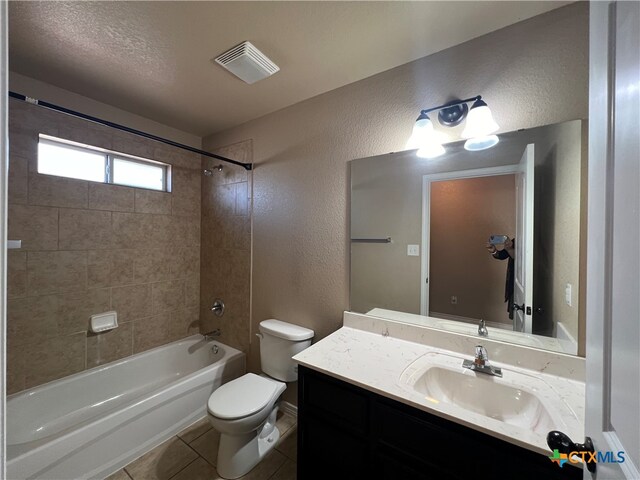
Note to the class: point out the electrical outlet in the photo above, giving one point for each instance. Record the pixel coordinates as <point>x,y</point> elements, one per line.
<point>413,250</point>
<point>454,300</point>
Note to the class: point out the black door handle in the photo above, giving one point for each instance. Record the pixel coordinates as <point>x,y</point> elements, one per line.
<point>561,442</point>
<point>518,307</point>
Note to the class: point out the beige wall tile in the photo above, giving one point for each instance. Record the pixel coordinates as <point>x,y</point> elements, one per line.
<point>34,118</point>
<point>110,268</point>
<point>224,200</point>
<point>111,197</point>
<point>18,179</point>
<point>185,261</point>
<point>150,201</point>
<point>32,319</point>
<point>132,145</point>
<point>185,192</point>
<point>55,191</point>
<point>76,309</point>
<point>37,227</point>
<point>85,229</point>
<point>185,231</point>
<point>16,274</point>
<point>242,199</point>
<point>56,272</point>
<point>54,358</point>
<point>22,141</point>
<point>185,322</point>
<point>110,346</point>
<point>15,369</point>
<point>131,230</point>
<point>192,290</point>
<point>167,296</point>
<point>176,157</point>
<point>78,130</point>
<point>152,265</point>
<point>151,332</point>
<point>163,462</point>
<point>131,302</point>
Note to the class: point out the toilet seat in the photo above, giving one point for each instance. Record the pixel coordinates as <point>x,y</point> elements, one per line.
<point>243,396</point>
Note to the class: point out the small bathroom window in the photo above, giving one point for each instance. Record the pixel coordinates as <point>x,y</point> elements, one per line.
<point>74,160</point>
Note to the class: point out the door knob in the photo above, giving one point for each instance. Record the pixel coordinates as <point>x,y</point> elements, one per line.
<point>518,307</point>
<point>218,307</point>
<point>561,442</point>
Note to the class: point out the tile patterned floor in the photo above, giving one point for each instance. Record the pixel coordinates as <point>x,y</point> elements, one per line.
<point>192,455</point>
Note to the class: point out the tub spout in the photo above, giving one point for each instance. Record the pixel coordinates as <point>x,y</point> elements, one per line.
<point>212,334</point>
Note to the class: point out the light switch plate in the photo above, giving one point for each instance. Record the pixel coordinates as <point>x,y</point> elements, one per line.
<point>413,250</point>
<point>567,294</point>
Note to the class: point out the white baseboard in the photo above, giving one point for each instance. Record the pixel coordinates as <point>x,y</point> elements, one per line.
<point>289,409</point>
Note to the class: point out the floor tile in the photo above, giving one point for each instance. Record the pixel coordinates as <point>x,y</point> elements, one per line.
<point>286,471</point>
<point>285,422</point>
<point>195,430</point>
<point>197,470</point>
<point>119,475</point>
<point>288,443</point>
<point>162,462</point>
<point>267,467</point>
<point>207,446</point>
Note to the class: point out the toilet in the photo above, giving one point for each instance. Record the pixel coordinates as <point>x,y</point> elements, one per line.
<point>244,410</point>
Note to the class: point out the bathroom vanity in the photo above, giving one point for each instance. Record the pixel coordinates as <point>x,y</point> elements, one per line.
<point>371,405</point>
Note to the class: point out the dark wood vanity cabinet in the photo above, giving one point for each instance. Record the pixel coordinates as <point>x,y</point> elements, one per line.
<point>348,432</point>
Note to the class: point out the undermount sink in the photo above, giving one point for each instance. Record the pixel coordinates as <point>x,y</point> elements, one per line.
<point>515,399</point>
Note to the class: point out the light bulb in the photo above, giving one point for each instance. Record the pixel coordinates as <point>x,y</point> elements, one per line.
<point>479,122</point>
<point>481,143</point>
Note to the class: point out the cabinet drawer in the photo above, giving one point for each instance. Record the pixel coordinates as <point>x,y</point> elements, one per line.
<point>341,403</point>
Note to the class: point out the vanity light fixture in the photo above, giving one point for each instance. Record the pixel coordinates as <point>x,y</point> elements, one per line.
<point>478,129</point>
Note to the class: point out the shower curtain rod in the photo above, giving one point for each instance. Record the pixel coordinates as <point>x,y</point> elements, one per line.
<point>57,108</point>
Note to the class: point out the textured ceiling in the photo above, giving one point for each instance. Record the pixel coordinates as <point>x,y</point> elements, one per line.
<point>154,58</point>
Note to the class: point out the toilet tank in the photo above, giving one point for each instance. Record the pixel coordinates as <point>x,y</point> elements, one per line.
<point>279,341</point>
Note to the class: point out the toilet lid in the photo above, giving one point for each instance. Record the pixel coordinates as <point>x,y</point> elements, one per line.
<point>242,397</point>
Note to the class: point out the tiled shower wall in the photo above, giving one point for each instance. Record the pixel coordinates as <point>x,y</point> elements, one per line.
<point>89,247</point>
<point>226,245</point>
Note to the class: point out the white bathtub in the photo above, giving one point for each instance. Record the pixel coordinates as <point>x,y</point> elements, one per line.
<point>90,424</point>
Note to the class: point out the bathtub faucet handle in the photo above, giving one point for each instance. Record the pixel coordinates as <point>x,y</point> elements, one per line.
<point>213,333</point>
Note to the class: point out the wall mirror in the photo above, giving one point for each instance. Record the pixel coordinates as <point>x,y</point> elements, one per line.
<point>420,237</point>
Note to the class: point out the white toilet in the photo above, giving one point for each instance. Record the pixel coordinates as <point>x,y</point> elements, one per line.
<point>244,410</point>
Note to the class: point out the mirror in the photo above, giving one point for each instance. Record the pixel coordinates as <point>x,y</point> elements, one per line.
<point>420,237</point>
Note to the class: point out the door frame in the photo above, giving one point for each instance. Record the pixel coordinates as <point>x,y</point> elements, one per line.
<point>4,162</point>
<point>426,215</point>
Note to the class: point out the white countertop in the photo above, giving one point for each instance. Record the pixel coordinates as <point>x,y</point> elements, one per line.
<point>376,363</point>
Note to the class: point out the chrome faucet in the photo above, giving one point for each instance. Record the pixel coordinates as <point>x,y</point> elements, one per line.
<point>212,334</point>
<point>481,363</point>
<point>482,329</point>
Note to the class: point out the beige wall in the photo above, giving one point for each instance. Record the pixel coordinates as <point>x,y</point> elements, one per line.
<point>226,246</point>
<point>89,248</point>
<point>532,73</point>
<point>463,214</point>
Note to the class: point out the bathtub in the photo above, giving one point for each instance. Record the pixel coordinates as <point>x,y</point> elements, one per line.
<point>91,424</point>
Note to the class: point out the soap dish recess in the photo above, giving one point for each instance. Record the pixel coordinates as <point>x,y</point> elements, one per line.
<point>104,321</point>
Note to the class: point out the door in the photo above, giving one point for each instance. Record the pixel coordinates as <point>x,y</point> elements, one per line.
<point>523,265</point>
<point>613,242</point>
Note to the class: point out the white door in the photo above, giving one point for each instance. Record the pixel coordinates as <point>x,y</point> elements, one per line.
<point>523,271</point>
<point>613,242</point>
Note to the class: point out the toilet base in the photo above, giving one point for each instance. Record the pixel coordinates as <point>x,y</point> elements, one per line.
<point>238,454</point>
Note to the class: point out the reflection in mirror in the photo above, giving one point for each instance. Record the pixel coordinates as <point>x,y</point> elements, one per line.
<point>443,269</point>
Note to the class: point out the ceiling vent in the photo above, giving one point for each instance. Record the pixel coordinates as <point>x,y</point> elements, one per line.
<point>247,63</point>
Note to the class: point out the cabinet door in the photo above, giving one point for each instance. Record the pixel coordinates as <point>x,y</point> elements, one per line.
<point>329,452</point>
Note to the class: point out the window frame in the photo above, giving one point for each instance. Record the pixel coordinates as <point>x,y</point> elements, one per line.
<point>109,157</point>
